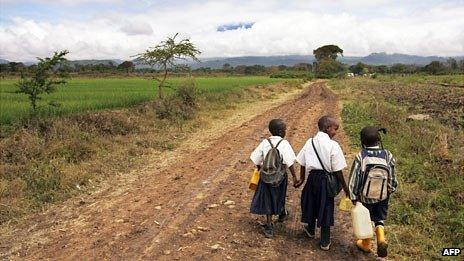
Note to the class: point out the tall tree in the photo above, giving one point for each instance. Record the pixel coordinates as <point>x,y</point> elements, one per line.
<point>327,52</point>
<point>164,56</point>
<point>326,61</point>
<point>45,78</point>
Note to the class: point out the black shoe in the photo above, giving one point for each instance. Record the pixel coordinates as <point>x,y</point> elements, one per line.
<point>268,231</point>
<point>326,247</point>
<point>284,216</point>
<point>311,234</point>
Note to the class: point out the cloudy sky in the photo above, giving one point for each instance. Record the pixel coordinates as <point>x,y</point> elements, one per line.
<point>120,28</point>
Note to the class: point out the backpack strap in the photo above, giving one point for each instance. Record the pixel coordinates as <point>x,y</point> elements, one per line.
<point>317,154</point>
<point>272,146</point>
<point>277,145</point>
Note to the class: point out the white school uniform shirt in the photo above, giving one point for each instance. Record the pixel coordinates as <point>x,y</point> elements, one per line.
<point>329,151</point>
<point>285,150</point>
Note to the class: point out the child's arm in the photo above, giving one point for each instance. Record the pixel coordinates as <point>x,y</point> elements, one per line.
<point>353,180</point>
<point>393,182</point>
<point>302,177</point>
<point>292,171</point>
<point>341,179</point>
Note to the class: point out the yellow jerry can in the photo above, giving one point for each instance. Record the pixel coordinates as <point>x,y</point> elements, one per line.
<point>345,204</point>
<point>254,180</point>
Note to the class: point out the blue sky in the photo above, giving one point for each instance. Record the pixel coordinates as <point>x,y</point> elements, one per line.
<point>119,28</point>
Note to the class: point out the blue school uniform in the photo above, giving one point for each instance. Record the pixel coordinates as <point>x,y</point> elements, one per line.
<point>315,204</point>
<point>269,200</point>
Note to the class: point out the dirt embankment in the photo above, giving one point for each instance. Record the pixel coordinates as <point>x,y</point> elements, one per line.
<point>174,208</point>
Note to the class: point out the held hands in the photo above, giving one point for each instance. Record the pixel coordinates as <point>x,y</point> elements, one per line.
<point>297,183</point>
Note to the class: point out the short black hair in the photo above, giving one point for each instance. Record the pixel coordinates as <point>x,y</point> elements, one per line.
<point>370,136</point>
<point>276,126</point>
<point>325,122</point>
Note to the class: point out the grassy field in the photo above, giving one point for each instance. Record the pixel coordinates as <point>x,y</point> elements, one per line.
<point>83,95</point>
<point>427,212</point>
<point>59,157</point>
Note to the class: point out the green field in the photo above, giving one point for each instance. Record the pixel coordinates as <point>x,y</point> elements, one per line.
<point>83,95</point>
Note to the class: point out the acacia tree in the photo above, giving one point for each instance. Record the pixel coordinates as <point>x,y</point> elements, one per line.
<point>164,56</point>
<point>327,52</point>
<point>327,65</point>
<point>45,78</point>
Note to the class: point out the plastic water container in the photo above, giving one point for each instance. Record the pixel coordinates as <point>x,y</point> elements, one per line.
<point>345,204</point>
<point>254,180</point>
<point>362,226</point>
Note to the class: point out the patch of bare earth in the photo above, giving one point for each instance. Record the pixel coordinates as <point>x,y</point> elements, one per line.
<point>175,206</point>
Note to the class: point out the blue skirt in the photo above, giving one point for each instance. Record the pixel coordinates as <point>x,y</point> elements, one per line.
<point>269,200</point>
<point>315,204</point>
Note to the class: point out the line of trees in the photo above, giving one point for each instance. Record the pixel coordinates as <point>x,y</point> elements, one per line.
<point>451,66</point>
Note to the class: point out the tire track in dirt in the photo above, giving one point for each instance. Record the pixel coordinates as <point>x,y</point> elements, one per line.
<point>148,221</point>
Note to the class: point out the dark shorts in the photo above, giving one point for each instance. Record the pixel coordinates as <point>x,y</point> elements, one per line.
<point>315,204</point>
<point>378,210</point>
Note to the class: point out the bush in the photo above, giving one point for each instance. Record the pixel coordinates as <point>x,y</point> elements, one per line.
<point>182,104</point>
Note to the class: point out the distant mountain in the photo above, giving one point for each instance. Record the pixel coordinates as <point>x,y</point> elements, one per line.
<point>389,59</point>
<point>288,60</point>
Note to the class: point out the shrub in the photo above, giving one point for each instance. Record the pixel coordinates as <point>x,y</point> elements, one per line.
<point>181,105</point>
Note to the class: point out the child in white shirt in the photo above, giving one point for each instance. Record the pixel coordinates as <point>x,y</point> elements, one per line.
<point>270,200</point>
<point>316,205</point>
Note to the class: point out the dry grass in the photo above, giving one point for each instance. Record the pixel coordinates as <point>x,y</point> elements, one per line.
<point>50,160</point>
<point>427,212</point>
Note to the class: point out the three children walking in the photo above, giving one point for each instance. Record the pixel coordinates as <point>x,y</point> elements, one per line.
<point>321,162</point>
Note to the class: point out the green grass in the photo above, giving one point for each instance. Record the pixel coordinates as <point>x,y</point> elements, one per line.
<point>427,212</point>
<point>84,95</point>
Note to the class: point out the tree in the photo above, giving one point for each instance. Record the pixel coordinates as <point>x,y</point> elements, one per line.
<point>358,68</point>
<point>45,78</point>
<point>326,64</point>
<point>165,54</point>
<point>303,67</point>
<point>399,68</point>
<point>327,52</point>
<point>435,67</point>
<point>226,67</point>
<point>452,64</point>
<point>328,68</point>
<point>127,65</point>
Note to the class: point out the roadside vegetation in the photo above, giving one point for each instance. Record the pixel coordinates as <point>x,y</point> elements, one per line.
<point>82,95</point>
<point>52,159</point>
<point>427,212</point>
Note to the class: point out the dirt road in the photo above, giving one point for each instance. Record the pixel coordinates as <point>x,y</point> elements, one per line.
<point>174,208</point>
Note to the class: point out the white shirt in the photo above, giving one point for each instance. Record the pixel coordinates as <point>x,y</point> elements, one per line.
<point>329,151</point>
<point>285,150</point>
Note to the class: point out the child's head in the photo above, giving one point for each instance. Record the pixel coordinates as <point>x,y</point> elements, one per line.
<point>328,125</point>
<point>277,127</point>
<point>370,136</point>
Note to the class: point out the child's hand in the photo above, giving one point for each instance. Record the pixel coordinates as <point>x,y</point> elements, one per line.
<point>298,183</point>
<point>295,180</point>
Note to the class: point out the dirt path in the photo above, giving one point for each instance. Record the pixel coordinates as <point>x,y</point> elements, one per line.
<point>162,212</point>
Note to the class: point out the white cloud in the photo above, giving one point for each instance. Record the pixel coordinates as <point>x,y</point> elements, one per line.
<point>295,28</point>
